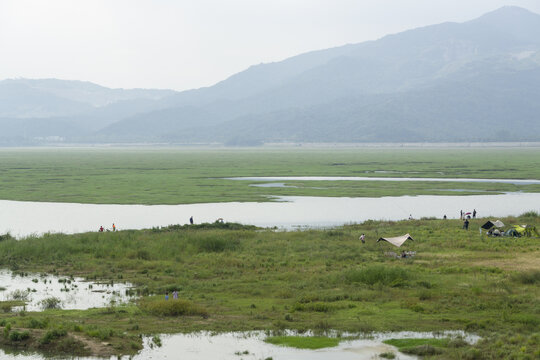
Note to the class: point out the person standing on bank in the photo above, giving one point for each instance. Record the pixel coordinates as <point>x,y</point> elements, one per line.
<point>191,220</point>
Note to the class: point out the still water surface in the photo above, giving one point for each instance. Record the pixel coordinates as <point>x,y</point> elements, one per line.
<point>73,293</point>
<point>26,218</point>
<point>226,346</point>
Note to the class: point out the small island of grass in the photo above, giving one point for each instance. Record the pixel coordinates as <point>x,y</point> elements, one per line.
<point>304,342</point>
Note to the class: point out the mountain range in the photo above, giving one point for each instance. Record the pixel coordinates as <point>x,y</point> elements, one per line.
<point>472,81</point>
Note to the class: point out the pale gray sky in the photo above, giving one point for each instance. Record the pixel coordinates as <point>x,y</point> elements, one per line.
<point>184,44</point>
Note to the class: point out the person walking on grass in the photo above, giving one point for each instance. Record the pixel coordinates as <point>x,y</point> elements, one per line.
<point>363,238</point>
<point>175,295</point>
<point>113,227</point>
<point>466,224</point>
<point>166,296</point>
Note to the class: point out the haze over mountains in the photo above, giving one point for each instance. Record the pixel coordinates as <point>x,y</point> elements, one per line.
<point>472,81</point>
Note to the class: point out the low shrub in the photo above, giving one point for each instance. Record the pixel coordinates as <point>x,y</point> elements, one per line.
<point>52,335</point>
<point>528,277</point>
<point>315,306</point>
<point>102,333</point>
<point>18,336</point>
<point>37,324</point>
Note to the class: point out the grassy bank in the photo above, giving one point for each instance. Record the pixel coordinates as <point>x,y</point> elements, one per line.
<point>174,176</point>
<point>240,278</point>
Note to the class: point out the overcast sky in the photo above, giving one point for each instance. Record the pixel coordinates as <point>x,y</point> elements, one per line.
<point>183,44</point>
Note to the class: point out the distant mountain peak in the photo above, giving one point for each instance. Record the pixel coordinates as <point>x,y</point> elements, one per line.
<point>514,14</point>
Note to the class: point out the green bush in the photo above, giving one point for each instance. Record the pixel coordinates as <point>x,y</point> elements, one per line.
<point>52,335</point>
<point>37,324</point>
<point>18,336</point>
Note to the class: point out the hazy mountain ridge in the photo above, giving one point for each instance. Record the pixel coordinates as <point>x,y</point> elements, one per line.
<point>477,80</point>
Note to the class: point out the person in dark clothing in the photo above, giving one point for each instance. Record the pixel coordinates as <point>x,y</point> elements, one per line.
<point>466,224</point>
<point>191,220</point>
<point>474,214</point>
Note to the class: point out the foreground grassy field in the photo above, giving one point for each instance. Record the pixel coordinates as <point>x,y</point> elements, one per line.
<point>231,277</point>
<point>175,176</point>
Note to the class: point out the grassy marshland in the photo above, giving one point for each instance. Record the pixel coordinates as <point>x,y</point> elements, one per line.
<point>185,176</point>
<point>231,277</point>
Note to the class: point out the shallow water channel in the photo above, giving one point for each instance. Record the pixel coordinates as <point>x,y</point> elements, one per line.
<point>250,346</point>
<point>72,293</point>
<point>365,178</point>
<point>22,218</point>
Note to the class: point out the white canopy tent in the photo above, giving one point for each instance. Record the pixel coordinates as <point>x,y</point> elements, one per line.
<point>397,241</point>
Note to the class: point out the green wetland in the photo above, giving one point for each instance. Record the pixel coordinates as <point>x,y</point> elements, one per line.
<point>188,176</point>
<point>232,277</point>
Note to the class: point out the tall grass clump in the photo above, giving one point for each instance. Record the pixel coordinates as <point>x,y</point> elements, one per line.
<point>377,274</point>
<point>528,277</point>
<point>216,244</point>
<point>530,214</point>
<point>173,307</point>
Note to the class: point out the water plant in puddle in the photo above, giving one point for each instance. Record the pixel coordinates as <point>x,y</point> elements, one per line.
<point>51,303</point>
<point>22,295</point>
<point>156,340</point>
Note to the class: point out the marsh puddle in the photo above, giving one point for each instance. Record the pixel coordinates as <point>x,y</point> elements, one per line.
<point>72,293</point>
<point>251,346</point>
<point>289,212</point>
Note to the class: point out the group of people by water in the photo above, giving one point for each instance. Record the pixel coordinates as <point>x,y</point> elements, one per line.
<point>102,229</point>
<point>466,217</point>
